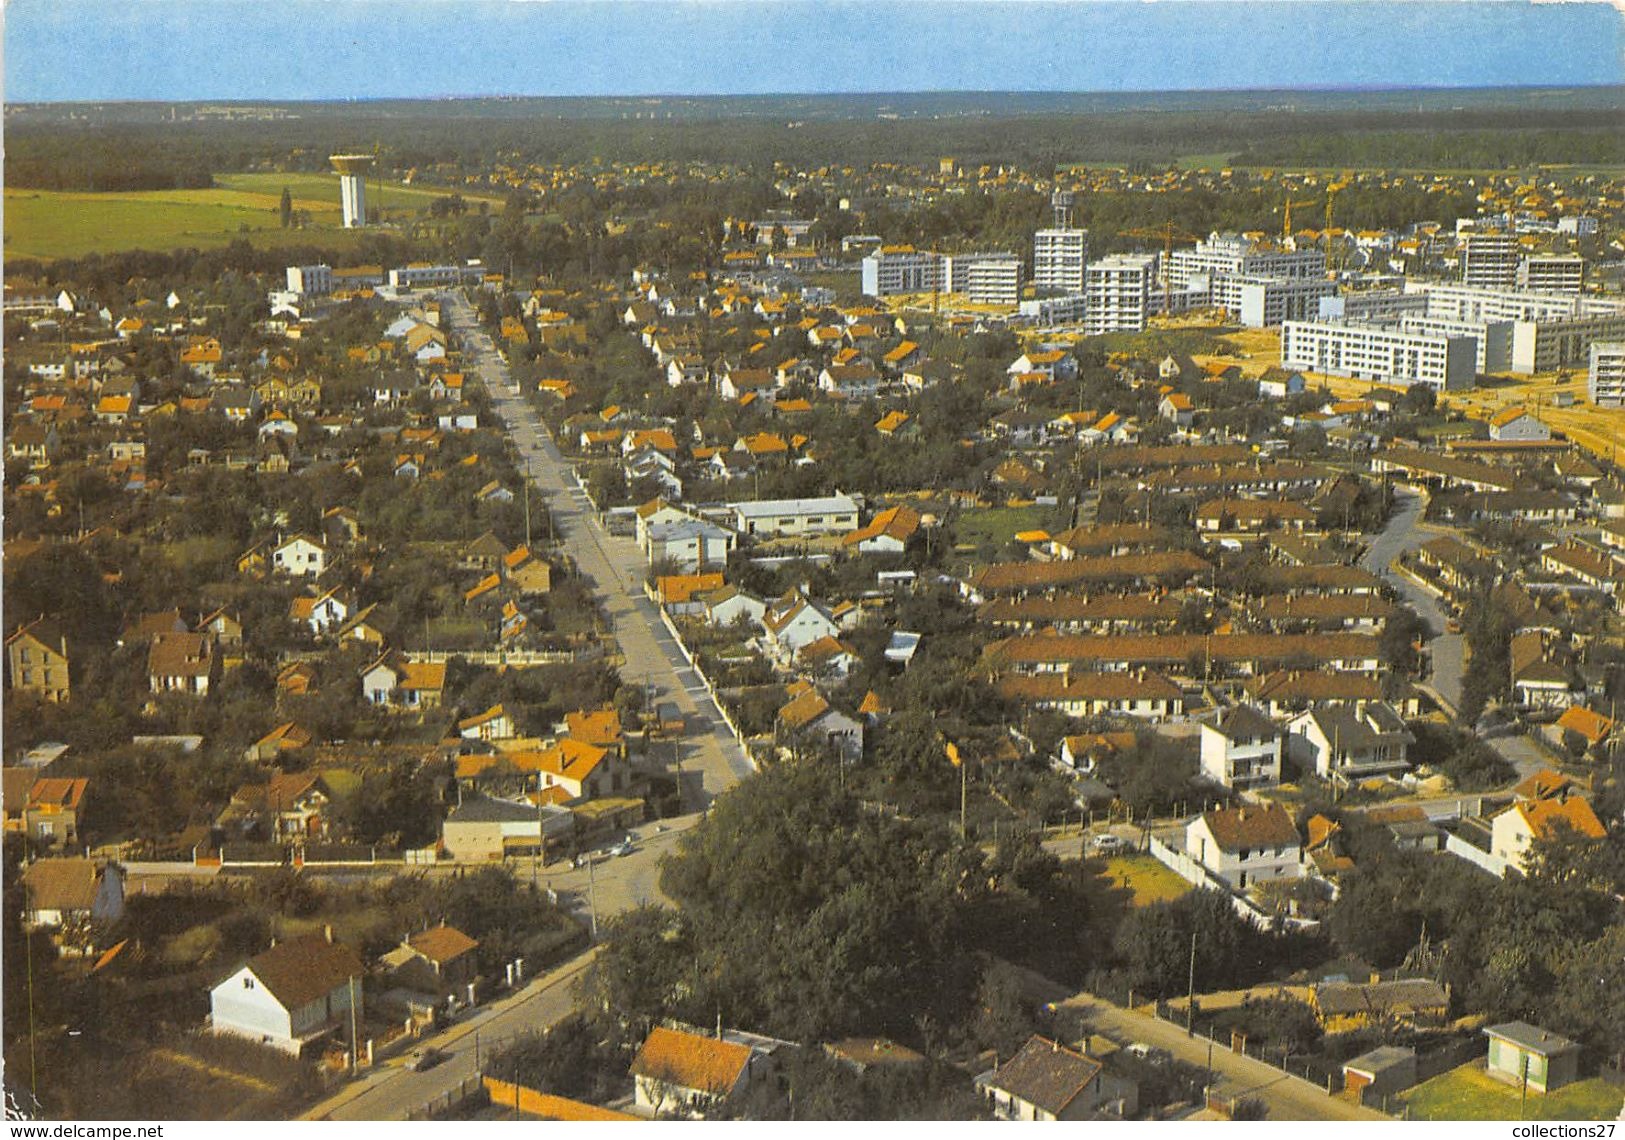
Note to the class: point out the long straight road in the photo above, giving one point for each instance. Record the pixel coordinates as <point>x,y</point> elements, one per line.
<point>615,568</point>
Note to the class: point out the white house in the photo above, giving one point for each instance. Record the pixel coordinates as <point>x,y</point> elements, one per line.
<point>294,994</point>
<point>1516,424</point>
<point>678,1073</point>
<point>1242,749</point>
<point>300,555</point>
<point>1047,1081</point>
<point>492,724</point>
<point>1515,830</point>
<point>794,624</point>
<point>808,718</point>
<point>1348,744</point>
<point>71,893</point>
<point>692,544</point>
<point>1246,845</point>
<point>731,604</point>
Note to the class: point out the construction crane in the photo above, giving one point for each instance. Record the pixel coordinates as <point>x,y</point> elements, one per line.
<point>1167,233</point>
<point>1286,220</point>
<point>1331,198</point>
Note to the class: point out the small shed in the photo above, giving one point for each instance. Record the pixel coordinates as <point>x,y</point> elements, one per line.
<point>1384,1070</point>
<point>1520,1051</point>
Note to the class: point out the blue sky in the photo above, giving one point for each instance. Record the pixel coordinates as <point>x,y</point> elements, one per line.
<point>338,49</point>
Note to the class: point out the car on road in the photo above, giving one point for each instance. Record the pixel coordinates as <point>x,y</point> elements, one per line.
<point>622,849</point>
<point>425,1059</point>
<point>1110,845</point>
<point>1150,1054</point>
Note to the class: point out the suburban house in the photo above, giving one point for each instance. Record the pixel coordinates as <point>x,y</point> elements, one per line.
<point>290,806</point>
<point>46,809</point>
<point>1514,831</point>
<point>1528,1056</point>
<point>690,545</point>
<point>37,660</point>
<point>1409,1002</point>
<point>67,895</point>
<point>299,554</point>
<point>1246,845</point>
<point>1517,424</point>
<point>808,718</point>
<point>580,770</point>
<point>1047,1081</point>
<point>295,994</point>
<point>394,680</point>
<point>1141,693</point>
<point>887,533</point>
<point>679,1073</point>
<point>492,724</point>
<point>794,623</point>
<point>1242,749</point>
<point>439,960</point>
<point>1348,743</point>
<point>182,663</point>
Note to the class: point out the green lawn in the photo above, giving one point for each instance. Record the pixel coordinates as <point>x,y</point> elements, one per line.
<point>1150,881</point>
<point>1468,1093</point>
<point>1000,524</point>
<point>324,188</point>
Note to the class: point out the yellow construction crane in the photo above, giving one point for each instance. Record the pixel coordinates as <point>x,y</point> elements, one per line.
<point>1286,220</point>
<point>1331,198</point>
<point>1167,233</point>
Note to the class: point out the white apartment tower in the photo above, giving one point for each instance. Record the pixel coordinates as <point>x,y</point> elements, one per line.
<point>1607,378</point>
<point>1060,254</point>
<point>1489,259</point>
<point>1118,291</point>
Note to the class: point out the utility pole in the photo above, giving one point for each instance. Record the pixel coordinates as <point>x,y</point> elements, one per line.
<point>527,504</point>
<point>1190,999</point>
<point>592,899</point>
<point>355,1032</point>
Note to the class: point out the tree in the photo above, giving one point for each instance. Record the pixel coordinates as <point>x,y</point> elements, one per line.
<point>285,208</point>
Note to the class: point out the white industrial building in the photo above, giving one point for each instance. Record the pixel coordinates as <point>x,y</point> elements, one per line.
<point>1060,260</point>
<point>1370,352</point>
<point>1118,293</point>
<point>1606,381</point>
<point>834,514</point>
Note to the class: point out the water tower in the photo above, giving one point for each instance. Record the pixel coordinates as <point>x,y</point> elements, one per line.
<point>353,170</point>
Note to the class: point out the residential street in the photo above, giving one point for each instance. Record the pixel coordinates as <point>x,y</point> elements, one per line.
<point>616,569</point>
<point>392,1090</point>
<point>1401,536</point>
<point>1288,1098</point>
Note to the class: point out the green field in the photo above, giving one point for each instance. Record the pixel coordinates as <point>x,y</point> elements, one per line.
<point>1468,1093</point>
<point>49,224</point>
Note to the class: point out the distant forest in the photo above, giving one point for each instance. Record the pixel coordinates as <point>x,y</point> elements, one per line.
<point>132,150</point>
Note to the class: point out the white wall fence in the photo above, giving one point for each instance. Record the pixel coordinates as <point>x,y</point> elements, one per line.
<point>1477,856</point>
<point>517,657</point>
<point>1197,875</point>
<point>711,690</point>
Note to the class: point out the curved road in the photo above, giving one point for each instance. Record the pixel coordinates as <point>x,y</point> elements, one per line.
<point>1401,536</point>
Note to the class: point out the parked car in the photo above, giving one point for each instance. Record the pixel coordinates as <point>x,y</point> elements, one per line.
<point>425,1059</point>
<point>1110,845</point>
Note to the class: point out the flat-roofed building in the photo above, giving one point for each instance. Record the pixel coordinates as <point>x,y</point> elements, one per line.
<point>1443,363</point>
<point>833,514</point>
<point>1606,378</point>
<point>1118,292</point>
<point>1552,272</point>
<point>1060,257</point>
